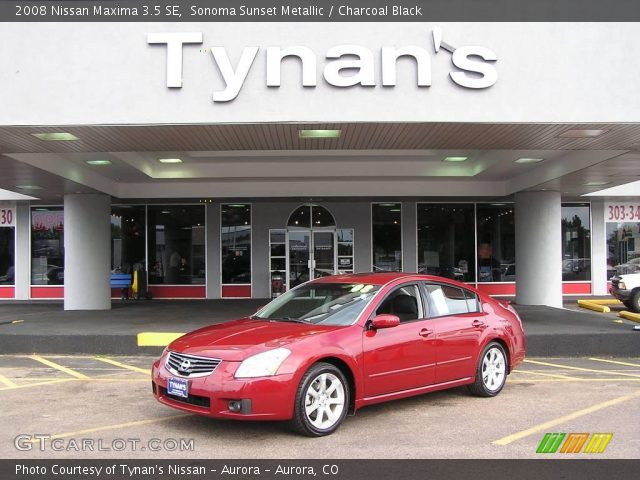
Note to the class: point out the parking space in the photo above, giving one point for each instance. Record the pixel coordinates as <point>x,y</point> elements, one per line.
<point>108,401</point>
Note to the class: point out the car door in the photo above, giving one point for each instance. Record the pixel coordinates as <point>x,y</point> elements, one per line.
<point>402,357</point>
<point>458,324</point>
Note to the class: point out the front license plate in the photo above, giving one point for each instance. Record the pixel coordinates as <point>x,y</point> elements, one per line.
<point>178,387</point>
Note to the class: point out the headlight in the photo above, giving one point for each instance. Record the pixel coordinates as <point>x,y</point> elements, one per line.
<point>622,286</point>
<point>263,364</point>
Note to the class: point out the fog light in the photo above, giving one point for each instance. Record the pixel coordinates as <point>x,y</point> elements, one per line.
<point>235,406</point>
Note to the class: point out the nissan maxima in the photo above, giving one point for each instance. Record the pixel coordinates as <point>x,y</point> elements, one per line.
<point>333,345</point>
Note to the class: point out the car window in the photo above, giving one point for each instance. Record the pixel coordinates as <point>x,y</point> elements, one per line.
<point>404,302</point>
<point>447,300</point>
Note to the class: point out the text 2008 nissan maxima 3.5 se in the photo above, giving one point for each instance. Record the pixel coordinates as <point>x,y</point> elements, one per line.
<point>336,344</point>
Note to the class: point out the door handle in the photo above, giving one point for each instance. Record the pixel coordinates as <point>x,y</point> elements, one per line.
<point>477,323</point>
<point>425,332</point>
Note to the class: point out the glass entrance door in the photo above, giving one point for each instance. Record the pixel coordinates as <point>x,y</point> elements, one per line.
<point>312,254</point>
<point>299,245</point>
<point>324,254</point>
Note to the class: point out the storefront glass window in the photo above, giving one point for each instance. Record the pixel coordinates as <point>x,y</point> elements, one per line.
<point>446,241</point>
<point>176,244</point>
<point>623,248</point>
<point>47,246</point>
<point>386,229</point>
<point>7,255</point>
<point>236,244</point>
<point>576,242</point>
<point>127,238</point>
<point>345,250</point>
<point>496,243</point>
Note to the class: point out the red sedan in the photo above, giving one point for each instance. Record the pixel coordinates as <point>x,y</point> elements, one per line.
<point>336,344</point>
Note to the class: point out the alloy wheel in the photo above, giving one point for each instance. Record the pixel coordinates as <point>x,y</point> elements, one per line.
<point>325,401</point>
<point>493,369</point>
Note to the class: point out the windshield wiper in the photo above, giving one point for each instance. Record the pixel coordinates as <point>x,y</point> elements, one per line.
<point>285,319</point>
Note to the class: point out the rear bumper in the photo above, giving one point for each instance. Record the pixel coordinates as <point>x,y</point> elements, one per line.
<point>622,295</point>
<point>265,398</point>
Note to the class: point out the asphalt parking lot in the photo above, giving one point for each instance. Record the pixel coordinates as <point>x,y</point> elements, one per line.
<point>103,406</point>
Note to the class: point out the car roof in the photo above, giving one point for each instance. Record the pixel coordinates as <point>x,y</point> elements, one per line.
<point>382,278</point>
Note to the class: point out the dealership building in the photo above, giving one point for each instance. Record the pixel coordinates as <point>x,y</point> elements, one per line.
<point>238,160</point>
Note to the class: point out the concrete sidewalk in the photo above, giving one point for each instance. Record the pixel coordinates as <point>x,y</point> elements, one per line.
<point>47,328</point>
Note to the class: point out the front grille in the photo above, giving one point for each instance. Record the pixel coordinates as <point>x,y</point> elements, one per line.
<point>190,366</point>
<point>615,282</point>
<point>196,400</point>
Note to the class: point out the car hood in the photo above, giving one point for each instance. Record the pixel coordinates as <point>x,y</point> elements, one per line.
<point>239,339</point>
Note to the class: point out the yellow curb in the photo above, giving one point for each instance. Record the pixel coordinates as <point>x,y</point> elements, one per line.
<point>634,317</point>
<point>157,339</point>
<point>604,301</point>
<point>591,305</point>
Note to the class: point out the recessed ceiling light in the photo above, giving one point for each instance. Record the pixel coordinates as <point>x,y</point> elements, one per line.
<point>455,159</point>
<point>582,133</point>
<point>170,160</point>
<point>595,184</point>
<point>99,162</point>
<point>498,204</point>
<point>528,160</point>
<point>319,133</point>
<point>395,210</point>
<point>55,136</point>
<point>28,187</point>
<point>237,205</point>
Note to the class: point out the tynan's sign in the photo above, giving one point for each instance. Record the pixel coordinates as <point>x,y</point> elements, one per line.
<point>474,65</point>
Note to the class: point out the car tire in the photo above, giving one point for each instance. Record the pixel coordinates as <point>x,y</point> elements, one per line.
<point>634,302</point>
<point>322,401</point>
<point>491,372</point>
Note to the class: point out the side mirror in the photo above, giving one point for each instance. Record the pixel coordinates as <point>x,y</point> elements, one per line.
<point>385,321</point>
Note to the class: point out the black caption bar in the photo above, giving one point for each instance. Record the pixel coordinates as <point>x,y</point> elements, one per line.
<point>121,469</point>
<point>319,11</point>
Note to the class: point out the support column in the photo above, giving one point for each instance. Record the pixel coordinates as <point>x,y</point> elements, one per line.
<point>538,248</point>
<point>23,251</point>
<point>87,252</point>
<point>213,250</point>
<point>598,249</point>
<point>409,238</point>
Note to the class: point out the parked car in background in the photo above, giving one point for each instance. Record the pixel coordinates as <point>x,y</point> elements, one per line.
<point>626,288</point>
<point>339,343</point>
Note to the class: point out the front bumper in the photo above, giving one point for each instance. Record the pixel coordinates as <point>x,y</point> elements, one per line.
<point>264,398</point>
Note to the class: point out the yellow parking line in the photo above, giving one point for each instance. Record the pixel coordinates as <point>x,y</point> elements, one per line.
<point>552,423</point>
<point>157,339</point>
<point>576,379</point>
<point>543,374</point>
<point>6,382</point>
<point>57,366</point>
<point>123,365</point>
<point>616,362</point>
<point>115,427</point>
<point>581,369</point>
<point>38,384</point>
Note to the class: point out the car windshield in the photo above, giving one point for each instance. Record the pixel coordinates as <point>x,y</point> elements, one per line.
<point>320,303</point>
